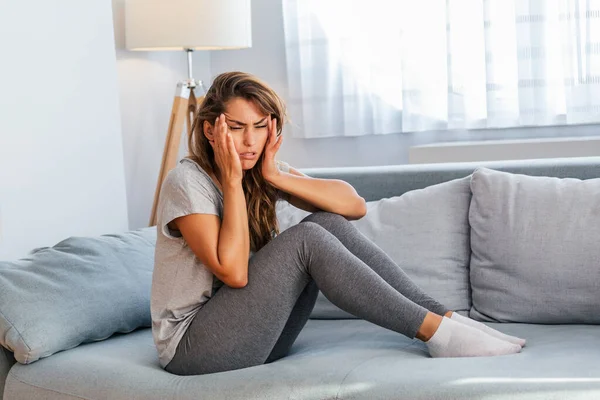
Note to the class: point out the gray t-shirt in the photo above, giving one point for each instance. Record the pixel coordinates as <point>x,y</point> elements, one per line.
<point>181,284</point>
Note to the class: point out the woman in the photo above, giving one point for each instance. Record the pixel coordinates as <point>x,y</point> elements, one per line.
<point>229,291</point>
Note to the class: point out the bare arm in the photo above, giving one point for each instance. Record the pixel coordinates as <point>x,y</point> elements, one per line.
<point>234,238</point>
<point>221,245</point>
<point>312,194</point>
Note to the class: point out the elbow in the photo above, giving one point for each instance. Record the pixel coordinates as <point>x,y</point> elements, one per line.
<point>233,277</point>
<point>234,273</point>
<point>362,207</point>
<point>358,211</point>
<point>237,282</point>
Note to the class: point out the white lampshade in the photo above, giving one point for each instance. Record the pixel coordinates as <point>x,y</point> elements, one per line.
<point>187,24</point>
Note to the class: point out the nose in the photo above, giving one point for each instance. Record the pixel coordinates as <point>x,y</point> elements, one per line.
<point>249,137</point>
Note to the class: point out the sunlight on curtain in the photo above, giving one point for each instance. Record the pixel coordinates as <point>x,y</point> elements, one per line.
<point>358,67</point>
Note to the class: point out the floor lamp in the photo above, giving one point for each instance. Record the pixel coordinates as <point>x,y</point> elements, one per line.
<point>188,25</point>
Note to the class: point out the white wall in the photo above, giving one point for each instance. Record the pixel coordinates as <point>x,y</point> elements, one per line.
<point>61,155</point>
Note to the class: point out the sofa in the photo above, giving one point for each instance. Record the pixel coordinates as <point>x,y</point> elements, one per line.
<point>461,230</point>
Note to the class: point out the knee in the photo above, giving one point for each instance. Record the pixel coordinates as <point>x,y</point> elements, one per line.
<point>307,232</point>
<point>307,229</point>
<point>325,218</point>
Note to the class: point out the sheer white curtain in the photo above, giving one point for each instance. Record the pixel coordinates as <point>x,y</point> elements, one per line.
<point>359,67</point>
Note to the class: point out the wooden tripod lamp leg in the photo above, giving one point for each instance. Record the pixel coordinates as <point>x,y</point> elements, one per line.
<point>172,143</point>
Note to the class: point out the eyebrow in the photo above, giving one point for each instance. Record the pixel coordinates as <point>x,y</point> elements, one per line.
<point>243,124</point>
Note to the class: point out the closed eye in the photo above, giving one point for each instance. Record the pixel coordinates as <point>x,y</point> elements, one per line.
<point>235,128</point>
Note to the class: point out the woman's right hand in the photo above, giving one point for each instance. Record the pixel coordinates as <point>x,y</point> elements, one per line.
<point>226,155</point>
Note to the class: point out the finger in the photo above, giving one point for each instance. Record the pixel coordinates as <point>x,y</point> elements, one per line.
<point>273,134</point>
<point>269,136</point>
<point>223,123</point>
<point>231,146</point>
<point>272,138</point>
<point>215,138</point>
<point>274,129</point>
<point>225,128</point>
<point>276,134</point>
<point>279,141</point>
<point>222,132</point>
<point>270,133</point>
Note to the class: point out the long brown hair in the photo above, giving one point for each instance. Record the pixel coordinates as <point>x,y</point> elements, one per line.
<point>260,196</point>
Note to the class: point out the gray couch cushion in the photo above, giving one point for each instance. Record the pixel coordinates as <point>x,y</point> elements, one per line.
<point>82,289</point>
<point>425,231</point>
<point>343,359</point>
<point>535,248</point>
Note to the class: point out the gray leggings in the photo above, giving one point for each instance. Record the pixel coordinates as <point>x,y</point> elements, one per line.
<point>257,324</point>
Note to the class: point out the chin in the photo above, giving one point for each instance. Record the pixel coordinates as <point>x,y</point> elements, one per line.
<point>248,164</point>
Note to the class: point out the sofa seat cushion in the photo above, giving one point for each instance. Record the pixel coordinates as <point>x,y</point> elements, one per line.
<point>350,359</point>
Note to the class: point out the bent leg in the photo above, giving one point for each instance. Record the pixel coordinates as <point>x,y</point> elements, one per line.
<point>372,255</point>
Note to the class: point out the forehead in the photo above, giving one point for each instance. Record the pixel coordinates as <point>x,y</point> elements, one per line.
<point>243,110</point>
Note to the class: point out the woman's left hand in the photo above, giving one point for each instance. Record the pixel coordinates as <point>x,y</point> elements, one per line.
<point>269,167</point>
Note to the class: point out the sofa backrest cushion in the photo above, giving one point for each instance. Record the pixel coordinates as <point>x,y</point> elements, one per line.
<point>535,248</point>
<point>82,289</point>
<point>424,231</point>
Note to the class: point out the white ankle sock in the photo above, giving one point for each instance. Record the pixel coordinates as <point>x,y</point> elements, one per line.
<point>487,329</point>
<point>453,339</point>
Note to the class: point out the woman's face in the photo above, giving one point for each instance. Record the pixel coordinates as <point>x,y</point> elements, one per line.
<point>248,128</point>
